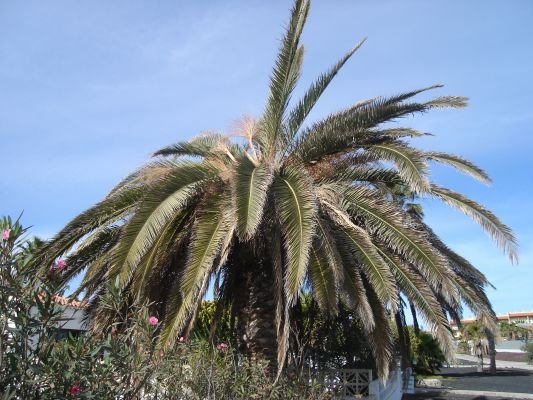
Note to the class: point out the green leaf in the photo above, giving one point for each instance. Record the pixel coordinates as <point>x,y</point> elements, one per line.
<point>211,228</point>
<point>251,188</point>
<point>410,164</point>
<point>498,231</point>
<point>296,208</point>
<point>306,104</point>
<point>283,79</point>
<point>461,165</point>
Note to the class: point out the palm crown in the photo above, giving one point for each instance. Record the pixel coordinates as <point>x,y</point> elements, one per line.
<point>284,209</point>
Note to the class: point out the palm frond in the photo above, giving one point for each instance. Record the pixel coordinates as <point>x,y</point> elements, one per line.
<point>158,207</point>
<point>380,338</point>
<point>394,228</point>
<point>299,113</point>
<point>210,230</point>
<point>461,165</point>
<point>200,146</point>
<point>251,188</point>
<point>410,163</point>
<point>296,207</point>
<point>323,281</point>
<point>363,250</point>
<point>498,231</point>
<point>417,290</point>
<point>398,133</point>
<point>283,78</point>
<point>105,213</point>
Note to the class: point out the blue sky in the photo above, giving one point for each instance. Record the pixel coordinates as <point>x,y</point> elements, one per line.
<point>89,89</point>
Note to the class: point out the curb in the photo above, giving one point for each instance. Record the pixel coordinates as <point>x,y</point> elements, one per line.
<point>509,395</point>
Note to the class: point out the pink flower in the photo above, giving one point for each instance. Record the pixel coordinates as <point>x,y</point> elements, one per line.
<point>74,390</point>
<point>5,234</point>
<point>181,339</point>
<point>60,264</point>
<point>222,347</point>
<point>153,320</point>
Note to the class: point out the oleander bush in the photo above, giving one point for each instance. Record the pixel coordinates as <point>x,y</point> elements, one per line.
<point>122,361</point>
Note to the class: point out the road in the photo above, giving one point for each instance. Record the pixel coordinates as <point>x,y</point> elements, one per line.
<point>466,378</point>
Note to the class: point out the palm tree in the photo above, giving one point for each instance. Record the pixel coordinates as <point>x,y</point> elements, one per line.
<point>285,208</point>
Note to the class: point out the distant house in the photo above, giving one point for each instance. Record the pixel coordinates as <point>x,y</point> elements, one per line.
<point>73,317</point>
<point>523,319</point>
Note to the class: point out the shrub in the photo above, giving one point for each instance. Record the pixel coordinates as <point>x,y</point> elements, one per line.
<point>463,347</point>
<point>426,352</point>
<point>528,349</point>
<point>120,361</point>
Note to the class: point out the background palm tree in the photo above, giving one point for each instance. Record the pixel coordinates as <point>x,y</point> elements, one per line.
<point>284,208</point>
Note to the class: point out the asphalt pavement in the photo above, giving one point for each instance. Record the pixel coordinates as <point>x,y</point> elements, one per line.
<point>512,381</point>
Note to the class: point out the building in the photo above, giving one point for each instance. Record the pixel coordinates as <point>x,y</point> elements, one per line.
<point>522,319</point>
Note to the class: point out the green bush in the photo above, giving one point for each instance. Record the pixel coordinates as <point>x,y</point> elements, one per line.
<point>528,349</point>
<point>426,352</point>
<point>463,347</point>
<point>120,360</point>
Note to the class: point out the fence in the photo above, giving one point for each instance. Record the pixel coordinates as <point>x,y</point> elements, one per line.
<point>358,383</point>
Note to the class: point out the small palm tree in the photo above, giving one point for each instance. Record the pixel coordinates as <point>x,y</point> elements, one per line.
<point>285,208</point>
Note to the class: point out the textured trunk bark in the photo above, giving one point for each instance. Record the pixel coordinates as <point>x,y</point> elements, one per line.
<point>479,363</point>
<point>403,341</point>
<point>492,352</point>
<point>256,326</point>
<point>415,320</point>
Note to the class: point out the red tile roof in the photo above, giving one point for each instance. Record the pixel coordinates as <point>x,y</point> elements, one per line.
<point>65,301</point>
<point>505,317</point>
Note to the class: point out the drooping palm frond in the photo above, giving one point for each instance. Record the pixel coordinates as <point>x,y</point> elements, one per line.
<point>410,164</point>
<point>200,146</point>
<point>211,228</point>
<point>324,284</point>
<point>359,244</point>
<point>380,338</point>
<point>160,205</point>
<point>387,222</point>
<point>498,231</point>
<point>416,289</point>
<point>104,213</point>
<point>296,206</point>
<point>460,164</point>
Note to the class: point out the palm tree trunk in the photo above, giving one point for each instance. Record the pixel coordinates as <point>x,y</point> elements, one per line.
<point>492,352</point>
<point>402,341</point>
<point>256,327</point>
<point>415,319</point>
<point>480,363</point>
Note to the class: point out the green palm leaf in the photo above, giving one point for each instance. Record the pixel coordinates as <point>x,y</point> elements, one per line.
<point>359,244</point>
<point>251,189</point>
<point>159,206</point>
<point>419,293</point>
<point>284,76</point>
<point>391,226</point>
<point>460,164</point>
<point>210,230</point>
<point>306,104</point>
<point>410,164</point>
<point>296,207</point>
<point>499,232</point>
